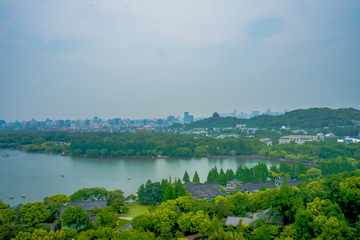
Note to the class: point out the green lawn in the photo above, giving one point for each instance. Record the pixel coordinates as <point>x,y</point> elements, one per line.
<point>135,209</point>
<point>122,222</point>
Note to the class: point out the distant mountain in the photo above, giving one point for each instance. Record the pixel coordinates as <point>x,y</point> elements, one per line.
<point>300,118</point>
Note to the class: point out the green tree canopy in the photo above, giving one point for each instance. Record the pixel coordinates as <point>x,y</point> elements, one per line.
<point>74,215</point>
<point>196,178</point>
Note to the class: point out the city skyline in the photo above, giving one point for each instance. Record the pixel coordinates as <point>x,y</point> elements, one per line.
<point>180,117</point>
<point>75,59</point>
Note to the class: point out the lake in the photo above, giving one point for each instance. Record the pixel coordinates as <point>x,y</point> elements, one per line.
<point>37,175</point>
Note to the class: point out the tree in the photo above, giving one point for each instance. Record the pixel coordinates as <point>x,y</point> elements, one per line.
<point>289,232</point>
<point>94,193</point>
<point>6,215</point>
<point>262,188</point>
<point>349,197</point>
<point>186,178</point>
<point>164,217</point>
<point>169,193</point>
<point>281,200</point>
<point>105,219</point>
<point>304,224</point>
<point>184,222</point>
<point>184,202</point>
<point>56,202</point>
<point>179,189</point>
<point>143,222</point>
<point>150,193</point>
<point>196,178</point>
<point>116,199</point>
<point>131,198</point>
<point>119,206</point>
<point>313,173</point>
<point>222,235</point>
<point>200,223</point>
<point>74,215</point>
<point>3,205</point>
<point>33,213</point>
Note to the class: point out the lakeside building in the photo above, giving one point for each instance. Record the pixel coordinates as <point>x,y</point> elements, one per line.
<point>266,140</point>
<point>251,187</point>
<point>297,138</point>
<point>204,190</point>
<point>290,182</point>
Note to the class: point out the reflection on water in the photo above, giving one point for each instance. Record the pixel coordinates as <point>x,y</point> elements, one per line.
<point>40,173</point>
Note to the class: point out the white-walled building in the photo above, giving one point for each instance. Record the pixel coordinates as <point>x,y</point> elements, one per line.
<point>297,138</point>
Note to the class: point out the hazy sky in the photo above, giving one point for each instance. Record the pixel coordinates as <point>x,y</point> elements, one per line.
<point>150,59</point>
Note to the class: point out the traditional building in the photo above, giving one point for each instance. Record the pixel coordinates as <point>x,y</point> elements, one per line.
<point>251,187</point>
<point>290,182</point>
<point>204,190</point>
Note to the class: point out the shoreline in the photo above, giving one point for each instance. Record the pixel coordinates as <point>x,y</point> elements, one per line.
<point>308,163</point>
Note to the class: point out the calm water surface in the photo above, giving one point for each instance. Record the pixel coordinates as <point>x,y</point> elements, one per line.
<point>40,173</point>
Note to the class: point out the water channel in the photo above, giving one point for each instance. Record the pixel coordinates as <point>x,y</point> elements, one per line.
<point>37,175</point>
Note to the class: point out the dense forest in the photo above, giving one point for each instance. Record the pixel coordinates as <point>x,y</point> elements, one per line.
<point>301,118</point>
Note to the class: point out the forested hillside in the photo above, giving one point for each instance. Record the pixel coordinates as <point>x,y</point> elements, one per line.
<point>301,118</point>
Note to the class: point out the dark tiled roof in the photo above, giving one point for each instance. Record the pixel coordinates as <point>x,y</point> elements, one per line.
<point>16,207</point>
<point>205,190</point>
<point>249,186</point>
<point>232,221</point>
<point>291,182</point>
<point>235,181</point>
<point>87,205</point>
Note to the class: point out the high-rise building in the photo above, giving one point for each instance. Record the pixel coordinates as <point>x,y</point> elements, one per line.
<point>67,123</point>
<point>186,117</point>
<point>191,118</point>
<point>255,113</point>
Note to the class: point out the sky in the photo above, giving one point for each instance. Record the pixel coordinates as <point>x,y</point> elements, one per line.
<point>151,59</point>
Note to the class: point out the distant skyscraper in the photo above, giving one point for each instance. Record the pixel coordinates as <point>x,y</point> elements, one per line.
<point>186,117</point>
<point>67,122</point>
<point>96,118</point>
<point>255,113</point>
<point>191,118</point>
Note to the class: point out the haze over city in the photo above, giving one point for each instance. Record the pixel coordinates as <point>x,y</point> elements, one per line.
<point>151,59</point>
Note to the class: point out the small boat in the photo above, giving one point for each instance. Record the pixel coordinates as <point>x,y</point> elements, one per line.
<point>11,197</point>
<point>23,196</point>
<point>5,155</point>
<point>62,175</point>
<point>129,178</point>
<point>63,154</point>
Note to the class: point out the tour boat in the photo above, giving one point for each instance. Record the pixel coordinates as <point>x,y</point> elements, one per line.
<point>5,155</point>
<point>11,197</point>
<point>23,196</point>
<point>129,178</point>
<point>63,154</point>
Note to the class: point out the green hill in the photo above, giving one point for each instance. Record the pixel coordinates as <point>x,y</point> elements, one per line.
<point>300,118</point>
